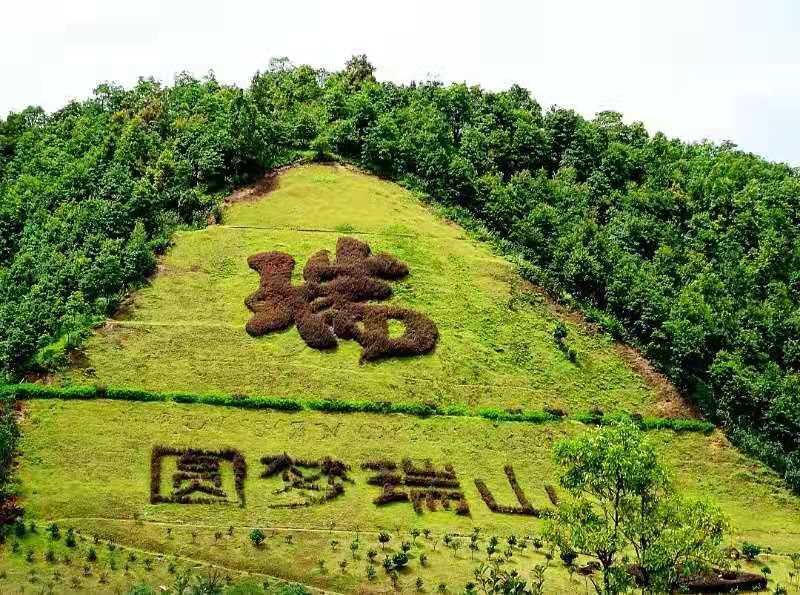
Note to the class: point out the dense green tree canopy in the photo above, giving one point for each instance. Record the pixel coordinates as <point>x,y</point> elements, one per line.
<point>689,250</point>
<point>624,505</point>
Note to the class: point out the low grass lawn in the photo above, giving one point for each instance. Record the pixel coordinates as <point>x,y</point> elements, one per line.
<point>185,331</point>
<point>87,464</point>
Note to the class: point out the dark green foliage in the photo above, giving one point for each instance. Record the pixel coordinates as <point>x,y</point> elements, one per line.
<point>691,251</point>
<point>38,391</point>
<point>257,537</point>
<point>90,192</point>
<point>54,531</point>
<point>20,529</point>
<point>9,436</point>
<point>568,557</point>
<point>399,560</point>
<point>750,550</point>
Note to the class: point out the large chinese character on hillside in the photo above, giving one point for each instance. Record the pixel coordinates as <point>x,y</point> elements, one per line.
<point>198,476</point>
<point>420,485</point>
<point>305,477</point>
<point>333,301</point>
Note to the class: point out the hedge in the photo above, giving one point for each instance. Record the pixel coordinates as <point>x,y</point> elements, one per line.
<point>648,423</point>
<point>37,391</point>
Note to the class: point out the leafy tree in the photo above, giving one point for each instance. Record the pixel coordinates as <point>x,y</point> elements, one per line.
<point>622,500</point>
<point>54,531</point>
<point>750,551</point>
<point>257,537</point>
<point>383,539</point>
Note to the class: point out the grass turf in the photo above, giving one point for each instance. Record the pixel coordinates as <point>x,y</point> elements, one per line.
<point>185,332</point>
<point>97,479</point>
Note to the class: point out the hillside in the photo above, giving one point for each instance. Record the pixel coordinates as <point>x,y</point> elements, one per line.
<point>185,331</point>
<point>88,463</point>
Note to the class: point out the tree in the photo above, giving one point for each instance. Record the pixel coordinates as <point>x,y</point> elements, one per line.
<point>750,551</point>
<point>54,531</point>
<point>358,70</point>
<point>257,537</point>
<point>622,498</point>
<point>495,579</point>
<point>383,539</point>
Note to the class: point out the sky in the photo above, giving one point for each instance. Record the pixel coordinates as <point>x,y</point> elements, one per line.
<point>722,70</point>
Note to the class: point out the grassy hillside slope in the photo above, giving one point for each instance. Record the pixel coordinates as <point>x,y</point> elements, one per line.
<point>86,464</point>
<point>186,330</point>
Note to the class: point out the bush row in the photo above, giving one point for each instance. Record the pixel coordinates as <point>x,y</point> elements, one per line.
<point>648,423</point>
<point>37,391</point>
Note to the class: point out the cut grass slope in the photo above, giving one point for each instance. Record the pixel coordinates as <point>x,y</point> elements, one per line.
<point>185,331</point>
<point>86,463</point>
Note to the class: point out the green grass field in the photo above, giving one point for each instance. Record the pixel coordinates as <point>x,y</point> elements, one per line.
<point>86,464</point>
<point>186,330</point>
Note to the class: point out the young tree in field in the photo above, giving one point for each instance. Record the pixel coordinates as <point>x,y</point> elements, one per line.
<point>383,539</point>
<point>257,537</point>
<point>623,503</point>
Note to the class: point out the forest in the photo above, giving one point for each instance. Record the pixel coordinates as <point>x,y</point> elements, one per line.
<point>689,251</point>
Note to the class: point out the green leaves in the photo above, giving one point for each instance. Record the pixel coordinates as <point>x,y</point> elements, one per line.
<point>623,503</point>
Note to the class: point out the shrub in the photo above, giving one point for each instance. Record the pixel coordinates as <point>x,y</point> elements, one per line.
<point>257,537</point>
<point>568,557</point>
<point>399,560</point>
<point>750,551</point>
<point>384,538</point>
<point>54,531</point>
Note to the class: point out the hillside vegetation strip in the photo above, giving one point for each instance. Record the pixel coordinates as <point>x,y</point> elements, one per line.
<point>82,393</point>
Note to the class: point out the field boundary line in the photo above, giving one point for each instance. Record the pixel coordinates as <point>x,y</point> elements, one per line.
<point>336,231</point>
<point>314,530</point>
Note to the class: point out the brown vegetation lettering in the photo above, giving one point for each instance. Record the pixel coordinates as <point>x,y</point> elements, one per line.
<point>332,301</point>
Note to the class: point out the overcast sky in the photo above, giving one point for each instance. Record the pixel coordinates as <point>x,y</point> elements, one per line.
<point>724,70</point>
